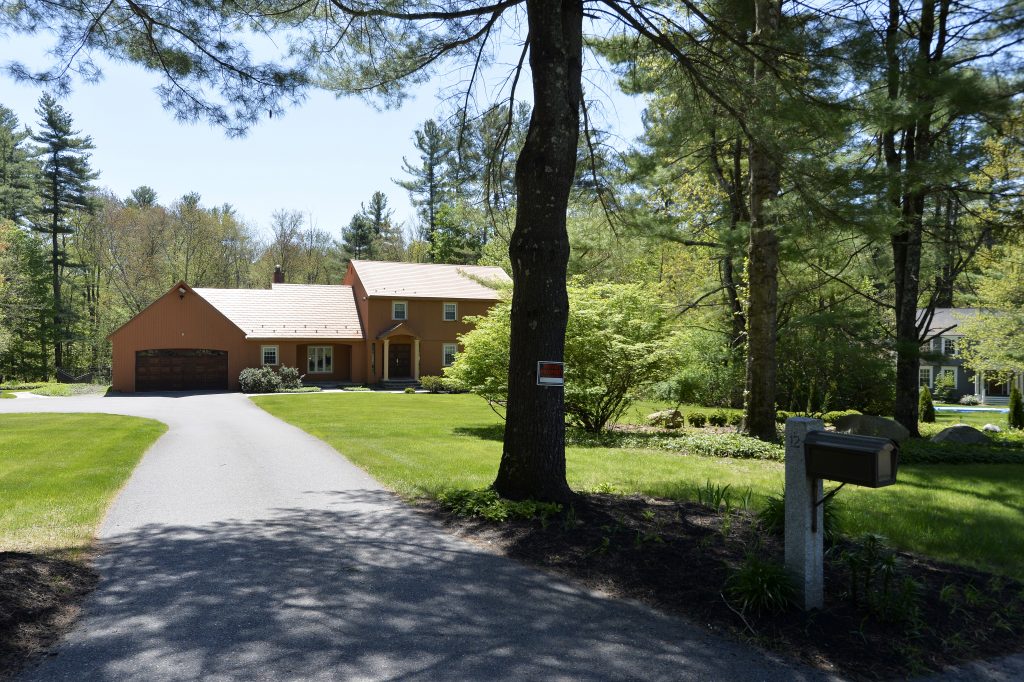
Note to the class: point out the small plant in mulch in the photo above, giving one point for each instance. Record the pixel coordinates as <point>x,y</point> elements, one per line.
<point>887,613</point>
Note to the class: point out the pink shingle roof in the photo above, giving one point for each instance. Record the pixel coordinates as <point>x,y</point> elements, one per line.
<point>296,311</point>
<point>429,280</point>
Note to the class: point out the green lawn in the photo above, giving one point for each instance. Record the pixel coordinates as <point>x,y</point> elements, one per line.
<point>55,389</point>
<point>58,473</point>
<point>422,444</point>
<point>6,394</point>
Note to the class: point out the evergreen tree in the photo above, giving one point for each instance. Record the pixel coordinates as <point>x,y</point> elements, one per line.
<point>388,240</point>
<point>357,238</point>
<point>426,186</point>
<point>926,407</point>
<point>64,189</point>
<point>26,304</point>
<point>18,172</point>
<point>1015,418</point>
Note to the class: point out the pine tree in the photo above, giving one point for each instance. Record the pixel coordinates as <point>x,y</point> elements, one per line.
<point>357,238</point>
<point>64,189</point>
<point>18,172</point>
<point>427,184</point>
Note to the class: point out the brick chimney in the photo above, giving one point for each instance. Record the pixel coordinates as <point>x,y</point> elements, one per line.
<point>278,275</point>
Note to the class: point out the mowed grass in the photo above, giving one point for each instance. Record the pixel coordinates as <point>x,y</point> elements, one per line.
<point>423,444</point>
<point>59,472</point>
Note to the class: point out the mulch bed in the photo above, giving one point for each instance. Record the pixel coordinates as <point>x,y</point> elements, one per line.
<point>676,556</point>
<point>39,600</point>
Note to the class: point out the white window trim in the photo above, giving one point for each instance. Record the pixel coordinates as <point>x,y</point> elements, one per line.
<point>405,304</point>
<point>329,349</point>
<point>444,311</point>
<point>954,341</point>
<point>444,353</point>
<point>931,375</point>
<point>956,375</point>
<point>263,356</point>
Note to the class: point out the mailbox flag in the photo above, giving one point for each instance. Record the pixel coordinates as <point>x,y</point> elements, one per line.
<point>550,373</point>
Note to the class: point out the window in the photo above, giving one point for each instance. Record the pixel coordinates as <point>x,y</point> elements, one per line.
<point>451,312</point>
<point>320,359</point>
<point>269,355</point>
<point>399,310</point>
<point>949,374</point>
<point>925,377</point>
<point>448,354</point>
<point>949,347</point>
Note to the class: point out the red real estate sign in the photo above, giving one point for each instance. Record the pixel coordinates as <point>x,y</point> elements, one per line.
<point>550,373</point>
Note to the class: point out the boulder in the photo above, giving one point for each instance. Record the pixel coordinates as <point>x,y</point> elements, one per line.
<point>961,434</point>
<point>668,419</point>
<point>992,428</point>
<point>868,425</point>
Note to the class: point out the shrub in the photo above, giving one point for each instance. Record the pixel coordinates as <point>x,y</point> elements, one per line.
<point>772,518</point>
<point>945,387</point>
<point>290,377</point>
<point>781,416</point>
<point>718,419</point>
<point>409,389</point>
<point>487,504</point>
<point>736,419</point>
<point>1015,418</point>
<point>433,384</point>
<point>969,400</point>
<point>925,406</point>
<point>834,416</point>
<point>259,380</point>
<point>761,586</point>
<point>703,444</point>
<point>697,419</point>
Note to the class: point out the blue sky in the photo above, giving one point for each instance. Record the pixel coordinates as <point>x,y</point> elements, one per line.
<point>322,158</point>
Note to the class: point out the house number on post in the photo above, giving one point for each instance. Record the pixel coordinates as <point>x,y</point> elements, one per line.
<point>550,373</point>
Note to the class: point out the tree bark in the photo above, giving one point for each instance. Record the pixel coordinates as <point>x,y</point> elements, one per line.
<point>533,457</point>
<point>762,253</point>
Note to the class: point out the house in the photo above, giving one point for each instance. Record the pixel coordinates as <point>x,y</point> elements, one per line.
<point>386,322</point>
<point>940,358</point>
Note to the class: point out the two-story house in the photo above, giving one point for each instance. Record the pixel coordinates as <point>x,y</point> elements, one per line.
<point>940,358</point>
<point>386,322</point>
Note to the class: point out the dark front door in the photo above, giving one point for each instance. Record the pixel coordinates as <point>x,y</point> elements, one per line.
<point>181,369</point>
<point>399,361</point>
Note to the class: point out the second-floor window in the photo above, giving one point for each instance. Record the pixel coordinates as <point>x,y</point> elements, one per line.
<point>949,347</point>
<point>451,312</point>
<point>399,310</point>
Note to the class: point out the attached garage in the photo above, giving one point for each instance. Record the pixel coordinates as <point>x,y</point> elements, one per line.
<point>181,369</point>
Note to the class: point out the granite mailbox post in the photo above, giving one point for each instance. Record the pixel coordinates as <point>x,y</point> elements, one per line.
<point>813,454</point>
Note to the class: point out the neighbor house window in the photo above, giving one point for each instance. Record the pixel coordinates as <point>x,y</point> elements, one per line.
<point>949,347</point>
<point>925,377</point>
<point>448,354</point>
<point>269,355</point>
<point>399,310</point>
<point>949,374</point>
<point>451,312</point>
<point>319,359</point>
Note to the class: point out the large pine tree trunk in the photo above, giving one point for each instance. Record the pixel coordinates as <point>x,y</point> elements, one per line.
<point>762,253</point>
<point>533,458</point>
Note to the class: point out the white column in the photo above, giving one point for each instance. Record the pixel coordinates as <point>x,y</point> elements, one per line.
<point>416,359</point>
<point>805,547</point>
<point>981,376</point>
<point>385,359</point>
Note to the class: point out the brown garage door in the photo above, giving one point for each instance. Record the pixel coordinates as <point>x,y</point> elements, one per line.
<point>180,369</point>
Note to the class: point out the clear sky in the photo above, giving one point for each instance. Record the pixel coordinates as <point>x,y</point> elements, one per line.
<point>323,158</point>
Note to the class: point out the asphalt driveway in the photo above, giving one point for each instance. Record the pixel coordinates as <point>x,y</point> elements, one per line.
<point>244,549</point>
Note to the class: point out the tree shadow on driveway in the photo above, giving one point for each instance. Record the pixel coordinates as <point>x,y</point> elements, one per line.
<point>362,588</point>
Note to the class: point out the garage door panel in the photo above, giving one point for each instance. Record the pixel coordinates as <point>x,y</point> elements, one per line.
<point>181,369</point>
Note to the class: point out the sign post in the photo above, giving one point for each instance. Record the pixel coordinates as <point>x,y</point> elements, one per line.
<point>550,373</point>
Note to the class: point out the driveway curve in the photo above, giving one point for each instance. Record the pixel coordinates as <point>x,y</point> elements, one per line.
<point>242,548</point>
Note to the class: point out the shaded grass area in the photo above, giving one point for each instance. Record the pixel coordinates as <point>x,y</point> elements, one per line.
<point>58,473</point>
<point>425,444</point>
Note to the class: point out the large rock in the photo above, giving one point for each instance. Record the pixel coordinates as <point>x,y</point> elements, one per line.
<point>961,434</point>
<point>667,419</point>
<point>868,425</point>
<point>991,428</point>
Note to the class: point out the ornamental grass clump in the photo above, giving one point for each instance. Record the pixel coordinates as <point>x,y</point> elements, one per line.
<point>761,586</point>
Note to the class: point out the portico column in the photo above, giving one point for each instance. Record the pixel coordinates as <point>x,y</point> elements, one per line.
<point>385,359</point>
<point>416,359</point>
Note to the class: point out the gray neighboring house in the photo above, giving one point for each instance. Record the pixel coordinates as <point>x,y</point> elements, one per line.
<point>941,358</point>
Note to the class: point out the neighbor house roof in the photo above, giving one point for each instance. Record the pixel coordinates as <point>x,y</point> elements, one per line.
<point>946,320</point>
<point>295,311</point>
<point>429,280</point>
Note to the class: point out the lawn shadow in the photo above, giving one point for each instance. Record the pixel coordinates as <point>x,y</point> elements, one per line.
<point>494,432</point>
<point>362,588</point>
<point>163,394</point>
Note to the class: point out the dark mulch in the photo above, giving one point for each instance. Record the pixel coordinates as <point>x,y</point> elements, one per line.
<point>39,600</point>
<point>676,557</point>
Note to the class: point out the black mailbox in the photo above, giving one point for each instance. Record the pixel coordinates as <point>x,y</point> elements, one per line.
<point>861,460</point>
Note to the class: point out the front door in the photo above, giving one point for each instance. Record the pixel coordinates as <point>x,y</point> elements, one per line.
<point>399,361</point>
